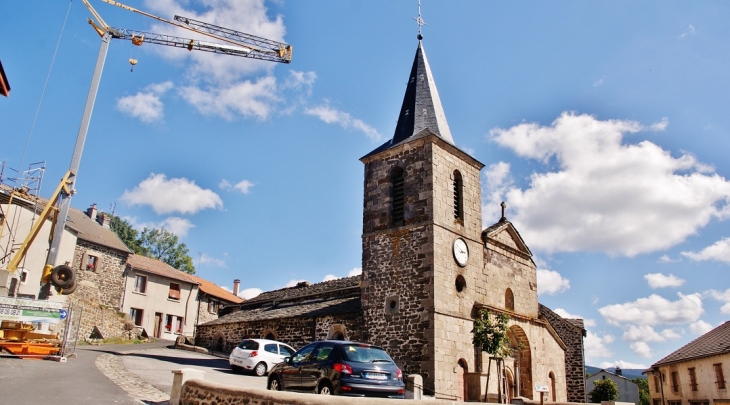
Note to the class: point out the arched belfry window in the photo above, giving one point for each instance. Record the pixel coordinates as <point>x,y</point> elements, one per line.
<point>509,300</point>
<point>458,196</point>
<point>398,197</point>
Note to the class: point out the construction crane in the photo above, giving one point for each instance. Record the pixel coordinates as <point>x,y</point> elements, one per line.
<point>237,44</point>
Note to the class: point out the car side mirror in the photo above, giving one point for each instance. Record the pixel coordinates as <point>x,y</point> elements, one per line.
<point>287,360</point>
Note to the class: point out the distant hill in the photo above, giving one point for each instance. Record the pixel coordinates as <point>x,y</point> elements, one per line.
<point>629,373</point>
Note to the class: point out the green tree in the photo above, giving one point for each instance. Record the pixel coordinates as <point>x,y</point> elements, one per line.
<point>603,390</point>
<point>643,383</point>
<point>164,245</point>
<point>490,335</point>
<point>126,233</point>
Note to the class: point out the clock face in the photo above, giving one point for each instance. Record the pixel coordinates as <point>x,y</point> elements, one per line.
<point>461,252</point>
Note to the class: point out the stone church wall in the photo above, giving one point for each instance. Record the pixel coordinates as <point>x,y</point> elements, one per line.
<point>572,336</point>
<point>504,269</point>
<point>397,286</point>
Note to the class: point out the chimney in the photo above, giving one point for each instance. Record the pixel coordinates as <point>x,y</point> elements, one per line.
<point>104,220</point>
<point>619,371</point>
<point>91,212</point>
<point>236,283</point>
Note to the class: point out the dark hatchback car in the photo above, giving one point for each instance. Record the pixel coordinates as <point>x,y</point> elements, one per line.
<point>334,367</point>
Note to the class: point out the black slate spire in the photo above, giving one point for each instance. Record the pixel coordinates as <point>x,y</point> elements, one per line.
<point>421,107</point>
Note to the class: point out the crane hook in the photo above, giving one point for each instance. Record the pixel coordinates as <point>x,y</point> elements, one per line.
<point>132,62</point>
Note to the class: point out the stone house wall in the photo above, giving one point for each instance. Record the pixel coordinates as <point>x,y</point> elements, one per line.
<point>295,332</point>
<point>572,336</point>
<point>107,277</point>
<point>204,315</point>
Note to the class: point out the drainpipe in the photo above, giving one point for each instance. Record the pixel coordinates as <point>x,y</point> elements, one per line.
<point>661,382</point>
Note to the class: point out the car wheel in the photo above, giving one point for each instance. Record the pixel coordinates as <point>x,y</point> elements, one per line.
<point>260,369</point>
<point>274,384</point>
<point>236,369</point>
<point>325,389</point>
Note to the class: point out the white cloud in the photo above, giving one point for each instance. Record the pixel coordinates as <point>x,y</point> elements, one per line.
<point>550,282</point>
<point>655,310</point>
<point>330,277</point>
<point>700,327</point>
<point>587,204</point>
<point>332,116</point>
<point>598,83</point>
<point>172,195</point>
<point>355,272</point>
<point>689,31</point>
<point>723,296</point>
<point>642,349</point>
<point>497,181</point>
<point>243,186</point>
<point>718,251</point>
<point>565,314</point>
<point>146,106</point>
<point>249,293</point>
<point>659,280</point>
<point>246,98</point>
<point>300,81</point>
<point>622,364</point>
<point>667,259</point>
<point>647,333</point>
<point>211,261</point>
<point>595,346</point>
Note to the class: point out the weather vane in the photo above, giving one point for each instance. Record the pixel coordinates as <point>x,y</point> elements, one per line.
<point>419,21</point>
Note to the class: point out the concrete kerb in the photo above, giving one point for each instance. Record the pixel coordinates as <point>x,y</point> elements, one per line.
<point>203,392</point>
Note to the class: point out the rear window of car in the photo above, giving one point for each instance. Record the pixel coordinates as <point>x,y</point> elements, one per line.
<point>249,345</point>
<point>364,354</point>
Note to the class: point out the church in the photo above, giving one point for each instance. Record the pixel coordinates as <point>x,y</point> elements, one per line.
<point>428,267</point>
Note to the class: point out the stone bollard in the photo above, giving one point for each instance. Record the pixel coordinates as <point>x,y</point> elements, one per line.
<point>414,386</point>
<point>179,378</point>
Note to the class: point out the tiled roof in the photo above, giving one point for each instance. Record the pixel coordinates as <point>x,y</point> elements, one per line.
<point>154,266</point>
<point>293,293</point>
<point>712,343</point>
<point>216,291</point>
<point>306,309</point>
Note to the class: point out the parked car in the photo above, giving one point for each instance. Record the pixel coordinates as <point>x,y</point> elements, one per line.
<point>258,355</point>
<point>335,367</point>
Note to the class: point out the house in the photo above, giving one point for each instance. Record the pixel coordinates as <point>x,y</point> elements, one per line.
<point>695,373</point>
<point>212,298</point>
<point>159,299</point>
<point>428,268</point>
<point>628,391</point>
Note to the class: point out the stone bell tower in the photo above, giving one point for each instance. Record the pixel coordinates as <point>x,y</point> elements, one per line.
<point>422,248</point>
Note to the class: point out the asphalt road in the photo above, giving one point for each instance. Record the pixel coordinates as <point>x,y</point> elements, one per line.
<point>110,374</point>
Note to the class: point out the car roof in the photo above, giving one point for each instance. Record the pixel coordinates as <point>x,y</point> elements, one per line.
<point>267,341</point>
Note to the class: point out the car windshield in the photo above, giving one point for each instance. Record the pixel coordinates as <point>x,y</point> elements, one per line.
<point>364,354</point>
<point>249,345</point>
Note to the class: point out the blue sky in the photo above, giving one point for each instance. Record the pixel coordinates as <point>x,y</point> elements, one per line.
<point>603,125</point>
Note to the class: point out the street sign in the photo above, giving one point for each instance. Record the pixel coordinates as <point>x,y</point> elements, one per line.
<point>542,388</point>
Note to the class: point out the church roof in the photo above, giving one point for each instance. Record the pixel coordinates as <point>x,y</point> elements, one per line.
<point>421,109</point>
<point>516,243</point>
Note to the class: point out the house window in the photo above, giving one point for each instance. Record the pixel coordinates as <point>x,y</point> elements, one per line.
<point>23,276</point>
<point>398,180</point>
<point>656,401</point>
<point>674,402</point>
<point>692,379</point>
<point>458,196</point>
<point>136,315</point>
<point>168,323</point>
<point>719,377</point>
<point>179,325</point>
<point>675,382</point>
<point>656,383</point>
<point>174,291</point>
<point>509,300</point>
<point>91,262</point>
<point>140,284</point>
<point>213,307</point>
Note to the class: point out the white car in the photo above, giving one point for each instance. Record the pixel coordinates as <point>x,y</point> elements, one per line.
<point>258,355</point>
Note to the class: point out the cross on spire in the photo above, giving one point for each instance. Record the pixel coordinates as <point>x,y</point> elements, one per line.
<point>504,206</point>
<point>419,21</point>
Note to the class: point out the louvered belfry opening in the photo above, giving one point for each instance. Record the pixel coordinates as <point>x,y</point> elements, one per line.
<point>398,179</point>
<point>458,197</point>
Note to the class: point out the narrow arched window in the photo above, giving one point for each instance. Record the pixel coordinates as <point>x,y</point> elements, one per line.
<point>551,376</point>
<point>509,300</point>
<point>458,196</point>
<point>398,197</point>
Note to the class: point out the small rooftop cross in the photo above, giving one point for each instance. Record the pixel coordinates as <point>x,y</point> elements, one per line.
<point>504,206</point>
<point>419,21</point>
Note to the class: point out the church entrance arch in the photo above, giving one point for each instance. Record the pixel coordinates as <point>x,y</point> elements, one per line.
<point>520,346</point>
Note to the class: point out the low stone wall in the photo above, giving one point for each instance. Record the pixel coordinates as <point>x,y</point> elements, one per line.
<point>525,401</point>
<point>203,392</point>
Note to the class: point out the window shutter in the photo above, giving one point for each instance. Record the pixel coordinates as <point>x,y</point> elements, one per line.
<point>174,291</point>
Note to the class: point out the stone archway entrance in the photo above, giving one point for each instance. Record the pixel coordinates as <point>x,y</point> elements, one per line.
<point>520,346</point>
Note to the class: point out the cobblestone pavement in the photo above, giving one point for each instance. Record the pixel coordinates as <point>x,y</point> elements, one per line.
<point>113,367</point>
